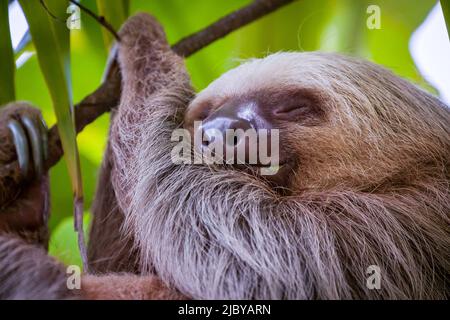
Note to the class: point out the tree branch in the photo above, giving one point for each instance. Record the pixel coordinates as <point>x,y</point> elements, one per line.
<point>107,96</point>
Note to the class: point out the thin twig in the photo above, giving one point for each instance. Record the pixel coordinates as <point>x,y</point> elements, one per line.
<point>100,19</point>
<point>50,13</point>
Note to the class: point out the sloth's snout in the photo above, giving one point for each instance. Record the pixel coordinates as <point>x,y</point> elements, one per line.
<point>224,128</point>
<point>232,132</point>
<point>225,133</point>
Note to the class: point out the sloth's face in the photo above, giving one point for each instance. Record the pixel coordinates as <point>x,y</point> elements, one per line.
<point>337,117</point>
<point>268,94</point>
<point>257,96</point>
<point>263,111</point>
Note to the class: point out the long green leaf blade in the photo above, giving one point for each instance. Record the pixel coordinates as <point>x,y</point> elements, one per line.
<point>51,39</point>
<point>7,65</point>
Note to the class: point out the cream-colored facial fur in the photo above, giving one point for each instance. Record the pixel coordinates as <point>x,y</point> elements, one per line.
<point>377,126</point>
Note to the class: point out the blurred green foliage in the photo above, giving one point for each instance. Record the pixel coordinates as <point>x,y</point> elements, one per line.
<point>7,67</point>
<point>330,25</point>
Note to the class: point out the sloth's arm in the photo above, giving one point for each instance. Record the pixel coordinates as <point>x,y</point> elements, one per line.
<point>155,92</point>
<point>155,86</point>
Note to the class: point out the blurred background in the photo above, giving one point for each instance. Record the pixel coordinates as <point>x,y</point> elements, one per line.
<point>411,41</point>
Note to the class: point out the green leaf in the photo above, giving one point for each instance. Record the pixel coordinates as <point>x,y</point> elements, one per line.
<point>126,7</point>
<point>7,66</point>
<point>115,12</point>
<point>52,42</point>
<point>445,5</point>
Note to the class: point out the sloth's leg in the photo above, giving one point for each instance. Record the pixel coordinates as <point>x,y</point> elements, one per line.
<point>27,272</point>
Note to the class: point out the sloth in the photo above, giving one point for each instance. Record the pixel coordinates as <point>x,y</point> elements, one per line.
<point>362,184</point>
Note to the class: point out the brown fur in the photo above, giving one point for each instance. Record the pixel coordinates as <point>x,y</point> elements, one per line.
<point>27,272</point>
<point>116,252</point>
<point>371,187</point>
<point>122,286</point>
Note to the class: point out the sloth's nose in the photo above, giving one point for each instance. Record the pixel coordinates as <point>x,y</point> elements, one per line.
<point>226,131</point>
<point>224,128</point>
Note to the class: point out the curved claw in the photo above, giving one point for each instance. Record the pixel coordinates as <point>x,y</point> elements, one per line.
<point>34,133</point>
<point>21,143</point>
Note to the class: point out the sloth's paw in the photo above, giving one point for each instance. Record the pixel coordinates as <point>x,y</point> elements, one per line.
<point>25,139</point>
<point>24,193</point>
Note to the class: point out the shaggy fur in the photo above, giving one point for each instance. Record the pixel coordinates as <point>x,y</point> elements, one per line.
<point>371,187</point>
<point>27,272</point>
<point>119,286</point>
<point>116,252</point>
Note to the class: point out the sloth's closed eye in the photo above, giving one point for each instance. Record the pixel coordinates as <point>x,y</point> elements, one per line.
<point>285,109</point>
<point>292,108</point>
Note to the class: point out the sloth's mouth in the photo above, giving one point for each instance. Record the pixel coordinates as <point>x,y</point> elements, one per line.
<point>278,175</point>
